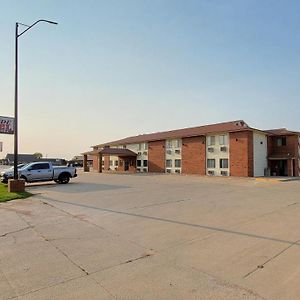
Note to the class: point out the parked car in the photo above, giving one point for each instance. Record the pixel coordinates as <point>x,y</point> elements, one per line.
<point>41,171</point>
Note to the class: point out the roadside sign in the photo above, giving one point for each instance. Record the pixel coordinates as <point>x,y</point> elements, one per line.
<point>6,125</point>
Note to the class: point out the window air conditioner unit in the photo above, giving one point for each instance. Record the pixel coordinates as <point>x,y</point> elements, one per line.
<point>223,149</point>
<point>210,149</point>
<point>224,173</point>
<point>177,151</point>
<point>211,172</point>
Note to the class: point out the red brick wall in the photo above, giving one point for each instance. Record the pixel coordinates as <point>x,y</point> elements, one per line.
<point>156,156</point>
<point>106,162</point>
<point>132,164</point>
<point>291,146</point>
<point>95,162</point>
<point>241,153</point>
<point>193,155</point>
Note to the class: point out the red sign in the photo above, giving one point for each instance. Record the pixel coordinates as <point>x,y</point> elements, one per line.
<point>7,125</point>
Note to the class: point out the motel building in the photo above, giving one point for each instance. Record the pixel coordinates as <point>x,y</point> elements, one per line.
<point>223,149</point>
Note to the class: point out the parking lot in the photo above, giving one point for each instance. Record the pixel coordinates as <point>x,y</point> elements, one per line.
<point>139,236</point>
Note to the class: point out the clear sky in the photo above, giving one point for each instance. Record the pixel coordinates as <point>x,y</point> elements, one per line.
<point>112,69</point>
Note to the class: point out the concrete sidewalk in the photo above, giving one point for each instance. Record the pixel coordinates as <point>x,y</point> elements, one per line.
<point>152,237</point>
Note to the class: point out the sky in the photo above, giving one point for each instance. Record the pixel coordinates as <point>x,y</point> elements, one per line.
<point>112,69</point>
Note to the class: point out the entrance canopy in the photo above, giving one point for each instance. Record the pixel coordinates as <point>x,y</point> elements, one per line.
<point>112,151</point>
<point>127,155</point>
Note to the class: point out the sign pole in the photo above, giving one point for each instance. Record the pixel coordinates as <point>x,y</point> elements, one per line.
<point>16,109</point>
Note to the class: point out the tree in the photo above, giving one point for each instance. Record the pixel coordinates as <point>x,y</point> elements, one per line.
<point>38,155</point>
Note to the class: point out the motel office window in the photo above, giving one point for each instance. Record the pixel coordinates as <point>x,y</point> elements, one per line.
<point>211,163</point>
<point>281,141</point>
<point>224,163</point>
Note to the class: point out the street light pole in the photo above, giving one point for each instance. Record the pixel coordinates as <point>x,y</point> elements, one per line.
<point>16,108</point>
<point>17,35</point>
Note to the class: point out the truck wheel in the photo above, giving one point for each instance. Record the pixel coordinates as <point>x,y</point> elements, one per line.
<point>64,178</point>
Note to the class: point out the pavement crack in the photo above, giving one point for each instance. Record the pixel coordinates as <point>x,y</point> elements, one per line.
<point>261,266</point>
<point>135,259</point>
<point>93,224</point>
<point>15,231</point>
<point>114,297</point>
<point>161,203</point>
<point>57,248</point>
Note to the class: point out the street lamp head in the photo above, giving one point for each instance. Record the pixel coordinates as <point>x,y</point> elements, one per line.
<point>51,22</point>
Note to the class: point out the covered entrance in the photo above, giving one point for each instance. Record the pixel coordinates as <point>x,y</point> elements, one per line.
<point>282,166</point>
<point>126,160</point>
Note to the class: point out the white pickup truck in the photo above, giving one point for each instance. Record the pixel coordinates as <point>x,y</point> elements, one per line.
<point>41,171</point>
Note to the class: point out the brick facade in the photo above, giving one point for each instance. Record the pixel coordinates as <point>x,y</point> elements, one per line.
<point>95,162</point>
<point>106,162</point>
<point>193,155</point>
<point>187,151</point>
<point>241,153</point>
<point>130,162</point>
<point>156,156</point>
<point>291,149</point>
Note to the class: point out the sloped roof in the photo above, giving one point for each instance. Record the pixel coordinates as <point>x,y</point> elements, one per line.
<point>112,151</point>
<point>282,131</point>
<point>238,125</point>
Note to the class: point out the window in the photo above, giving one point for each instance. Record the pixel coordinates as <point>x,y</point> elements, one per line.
<point>223,163</point>
<point>211,140</point>
<point>168,144</point>
<point>281,141</point>
<point>146,146</point>
<point>116,163</point>
<point>177,163</point>
<point>40,167</point>
<point>177,143</point>
<point>140,147</point>
<point>169,163</point>
<point>145,163</point>
<point>222,140</point>
<point>110,162</point>
<point>145,170</point>
<point>124,146</point>
<point>102,162</point>
<point>211,163</point>
<point>139,163</point>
